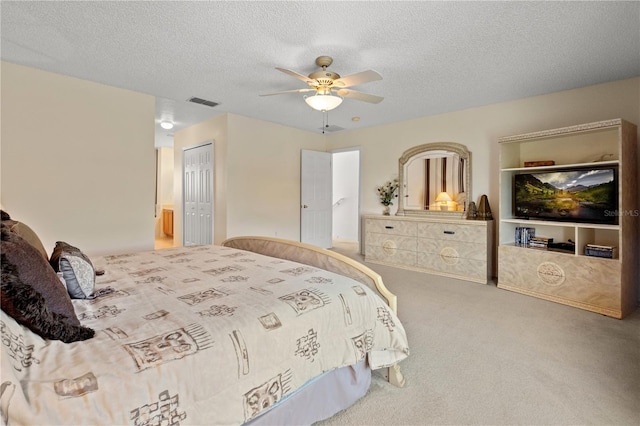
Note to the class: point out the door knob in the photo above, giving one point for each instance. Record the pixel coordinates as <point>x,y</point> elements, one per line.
<point>304,206</point>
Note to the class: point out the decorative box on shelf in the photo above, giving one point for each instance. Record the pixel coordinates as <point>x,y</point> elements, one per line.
<point>539,163</point>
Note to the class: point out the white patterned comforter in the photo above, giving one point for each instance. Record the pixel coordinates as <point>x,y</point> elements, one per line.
<point>198,335</point>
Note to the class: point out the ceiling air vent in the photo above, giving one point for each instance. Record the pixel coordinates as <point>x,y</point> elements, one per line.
<point>203,102</point>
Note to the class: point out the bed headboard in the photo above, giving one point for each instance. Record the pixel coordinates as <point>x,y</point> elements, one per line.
<point>317,257</point>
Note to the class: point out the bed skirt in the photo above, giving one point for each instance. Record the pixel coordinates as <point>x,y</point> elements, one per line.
<point>320,398</point>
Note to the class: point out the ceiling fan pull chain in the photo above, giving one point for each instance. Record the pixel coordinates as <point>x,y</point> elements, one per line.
<point>325,123</point>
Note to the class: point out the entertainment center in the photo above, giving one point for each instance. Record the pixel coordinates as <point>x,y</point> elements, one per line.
<point>561,204</point>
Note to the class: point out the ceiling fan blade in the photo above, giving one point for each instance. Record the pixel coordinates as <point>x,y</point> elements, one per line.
<point>289,91</point>
<point>357,78</point>
<point>298,76</point>
<point>359,96</point>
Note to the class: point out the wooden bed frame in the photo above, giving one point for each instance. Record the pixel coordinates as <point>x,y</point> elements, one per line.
<point>329,261</point>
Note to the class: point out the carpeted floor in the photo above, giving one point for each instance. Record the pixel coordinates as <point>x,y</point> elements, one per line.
<point>486,356</point>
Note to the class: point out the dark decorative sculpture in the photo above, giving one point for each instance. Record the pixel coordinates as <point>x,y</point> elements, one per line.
<point>484,211</point>
<point>472,211</point>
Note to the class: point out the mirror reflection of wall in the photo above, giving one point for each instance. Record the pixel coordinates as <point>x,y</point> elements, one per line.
<point>434,179</point>
<point>431,176</point>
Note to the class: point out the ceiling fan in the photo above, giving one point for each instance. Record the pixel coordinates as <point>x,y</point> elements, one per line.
<point>330,88</point>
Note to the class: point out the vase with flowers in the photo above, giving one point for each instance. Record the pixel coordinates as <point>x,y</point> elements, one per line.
<point>386,194</point>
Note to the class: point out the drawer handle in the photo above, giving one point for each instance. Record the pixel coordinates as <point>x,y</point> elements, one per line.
<point>389,227</point>
<point>450,232</point>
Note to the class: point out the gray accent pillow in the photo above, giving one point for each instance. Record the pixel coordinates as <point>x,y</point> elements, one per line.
<point>75,269</point>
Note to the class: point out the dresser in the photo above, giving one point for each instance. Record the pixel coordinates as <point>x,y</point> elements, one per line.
<point>455,248</point>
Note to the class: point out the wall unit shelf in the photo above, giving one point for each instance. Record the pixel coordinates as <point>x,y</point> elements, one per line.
<point>559,166</point>
<point>609,286</point>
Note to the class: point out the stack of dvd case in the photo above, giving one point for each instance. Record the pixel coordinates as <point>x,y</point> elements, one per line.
<point>540,242</point>
<point>523,235</point>
<point>609,252</point>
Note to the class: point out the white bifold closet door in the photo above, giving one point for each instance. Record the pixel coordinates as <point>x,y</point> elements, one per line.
<point>198,195</point>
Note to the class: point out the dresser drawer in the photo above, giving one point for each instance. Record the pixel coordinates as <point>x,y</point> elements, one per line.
<point>401,242</point>
<point>453,232</point>
<point>463,250</point>
<point>391,227</point>
<point>456,248</point>
<point>389,254</point>
<point>448,264</point>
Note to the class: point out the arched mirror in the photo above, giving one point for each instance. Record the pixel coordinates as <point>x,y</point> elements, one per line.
<point>435,180</point>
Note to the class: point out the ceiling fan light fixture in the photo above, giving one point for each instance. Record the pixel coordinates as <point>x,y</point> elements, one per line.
<point>323,102</point>
<point>167,125</point>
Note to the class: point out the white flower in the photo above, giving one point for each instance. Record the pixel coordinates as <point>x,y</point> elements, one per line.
<point>387,192</point>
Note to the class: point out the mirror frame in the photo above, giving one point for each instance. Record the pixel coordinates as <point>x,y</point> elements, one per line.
<point>453,147</point>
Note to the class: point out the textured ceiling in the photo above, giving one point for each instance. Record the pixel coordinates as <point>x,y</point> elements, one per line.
<point>434,57</point>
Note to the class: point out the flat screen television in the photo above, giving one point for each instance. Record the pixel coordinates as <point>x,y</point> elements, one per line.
<point>586,195</point>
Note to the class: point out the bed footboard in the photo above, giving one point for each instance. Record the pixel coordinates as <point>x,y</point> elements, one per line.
<point>317,257</point>
<point>329,261</point>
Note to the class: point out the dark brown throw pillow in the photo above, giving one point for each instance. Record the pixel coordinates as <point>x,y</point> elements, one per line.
<point>33,270</point>
<point>22,302</point>
<point>24,231</point>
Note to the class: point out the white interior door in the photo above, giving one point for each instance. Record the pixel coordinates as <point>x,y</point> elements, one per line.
<point>316,198</point>
<point>198,195</point>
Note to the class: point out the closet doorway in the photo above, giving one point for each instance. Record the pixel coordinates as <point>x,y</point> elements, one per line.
<point>164,197</point>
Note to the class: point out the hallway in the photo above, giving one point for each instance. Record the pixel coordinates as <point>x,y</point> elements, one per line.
<point>163,242</point>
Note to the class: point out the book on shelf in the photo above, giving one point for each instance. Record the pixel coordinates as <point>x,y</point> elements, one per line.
<point>540,241</point>
<point>523,235</point>
<point>598,246</point>
<point>608,252</point>
<point>533,244</point>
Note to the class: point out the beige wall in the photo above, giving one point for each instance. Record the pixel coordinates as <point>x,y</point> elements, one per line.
<point>257,175</point>
<point>264,177</point>
<point>213,130</point>
<point>77,160</point>
<point>479,129</point>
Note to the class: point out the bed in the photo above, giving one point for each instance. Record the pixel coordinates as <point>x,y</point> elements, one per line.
<point>254,331</point>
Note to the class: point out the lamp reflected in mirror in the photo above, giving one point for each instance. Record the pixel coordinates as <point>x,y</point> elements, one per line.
<point>443,199</point>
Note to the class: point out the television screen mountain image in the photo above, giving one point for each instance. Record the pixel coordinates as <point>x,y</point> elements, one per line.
<point>578,195</point>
